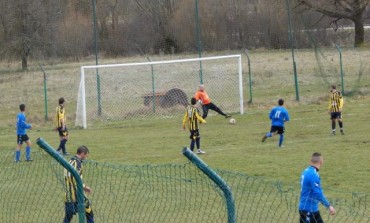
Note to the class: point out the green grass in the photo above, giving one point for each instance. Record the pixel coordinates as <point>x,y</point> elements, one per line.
<point>229,147</point>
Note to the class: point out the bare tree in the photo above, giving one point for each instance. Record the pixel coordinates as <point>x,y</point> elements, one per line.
<point>353,10</point>
<point>27,27</point>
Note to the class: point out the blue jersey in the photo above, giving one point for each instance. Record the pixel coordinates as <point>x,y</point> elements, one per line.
<point>278,116</point>
<point>311,192</point>
<point>22,124</point>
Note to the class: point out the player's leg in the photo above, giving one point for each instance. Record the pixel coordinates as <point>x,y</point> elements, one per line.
<point>205,111</point>
<point>281,131</point>
<point>333,118</point>
<point>70,209</point>
<point>17,156</point>
<point>316,217</point>
<point>269,134</point>
<point>340,123</point>
<point>218,110</point>
<point>90,217</point>
<point>192,140</point>
<point>197,142</point>
<point>89,212</point>
<point>306,217</point>
<point>28,148</point>
<point>63,135</point>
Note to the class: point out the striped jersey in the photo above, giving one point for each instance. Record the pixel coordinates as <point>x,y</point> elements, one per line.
<point>191,118</point>
<point>335,102</point>
<point>70,181</point>
<point>60,117</point>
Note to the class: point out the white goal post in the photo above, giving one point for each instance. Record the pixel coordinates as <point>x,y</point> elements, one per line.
<point>117,92</point>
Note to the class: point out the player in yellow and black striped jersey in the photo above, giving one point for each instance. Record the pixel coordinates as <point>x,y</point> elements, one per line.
<point>191,119</point>
<point>71,207</point>
<point>335,109</point>
<point>61,126</point>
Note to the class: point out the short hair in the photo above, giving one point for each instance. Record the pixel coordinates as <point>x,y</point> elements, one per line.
<point>316,157</point>
<point>333,86</point>
<point>22,107</point>
<point>61,100</point>
<point>82,149</point>
<point>281,102</point>
<point>193,101</point>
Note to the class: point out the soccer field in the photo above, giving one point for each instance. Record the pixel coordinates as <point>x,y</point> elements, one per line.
<point>228,147</point>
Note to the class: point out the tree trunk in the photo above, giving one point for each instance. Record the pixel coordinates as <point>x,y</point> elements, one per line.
<point>24,62</point>
<point>359,30</point>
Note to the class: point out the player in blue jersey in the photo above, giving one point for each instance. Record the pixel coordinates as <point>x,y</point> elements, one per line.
<point>278,115</point>
<point>312,193</point>
<point>22,127</point>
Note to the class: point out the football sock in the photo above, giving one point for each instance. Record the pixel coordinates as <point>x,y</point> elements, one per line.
<point>333,125</point>
<point>192,145</point>
<point>281,140</point>
<point>28,153</point>
<point>197,142</point>
<point>17,155</point>
<point>340,124</point>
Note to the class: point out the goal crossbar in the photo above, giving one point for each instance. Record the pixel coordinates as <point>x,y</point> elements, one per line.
<point>83,68</point>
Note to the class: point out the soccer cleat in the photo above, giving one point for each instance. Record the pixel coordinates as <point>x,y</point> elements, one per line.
<point>228,116</point>
<point>264,138</point>
<point>65,153</point>
<point>342,132</point>
<point>59,150</point>
<point>29,160</point>
<point>333,132</point>
<point>200,152</point>
<point>17,161</point>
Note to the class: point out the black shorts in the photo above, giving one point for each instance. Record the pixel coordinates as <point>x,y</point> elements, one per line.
<point>279,129</point>
<point>310,217</point>
<point>194,134</point>
<point>63,132</point>
<point>336,115</point>
<point>22,138</point>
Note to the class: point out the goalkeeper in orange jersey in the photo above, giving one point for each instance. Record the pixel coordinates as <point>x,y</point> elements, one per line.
<point>191,118</point>
<point>335,109</point>
<point>202,96</point>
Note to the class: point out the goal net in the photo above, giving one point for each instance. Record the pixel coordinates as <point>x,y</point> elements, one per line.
<point>116,92</point>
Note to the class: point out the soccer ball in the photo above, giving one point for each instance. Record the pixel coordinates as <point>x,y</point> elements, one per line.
<point>232,121</point>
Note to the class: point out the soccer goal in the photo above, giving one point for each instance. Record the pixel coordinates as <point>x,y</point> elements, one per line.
<point>117,92</point>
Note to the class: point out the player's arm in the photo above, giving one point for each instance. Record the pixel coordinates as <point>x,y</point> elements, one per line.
<point>24,124</point>
<point>271,115</point>
<point>184,120</point>
<point>198,96</point>
<point>201,120</point>
<point>318,193</point>
<point>341,101</point>
<point>287,118</point>
<point>56,119</point>
<point>330,104</point>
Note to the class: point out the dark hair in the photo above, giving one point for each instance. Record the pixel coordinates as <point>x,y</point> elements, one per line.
<point>82,149</point>
<point>22,107</point>
<point>281,102</point>
<point>61,101</point>
<point>316,157</point>
<point>193,101</point>
<point>333,87</point>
